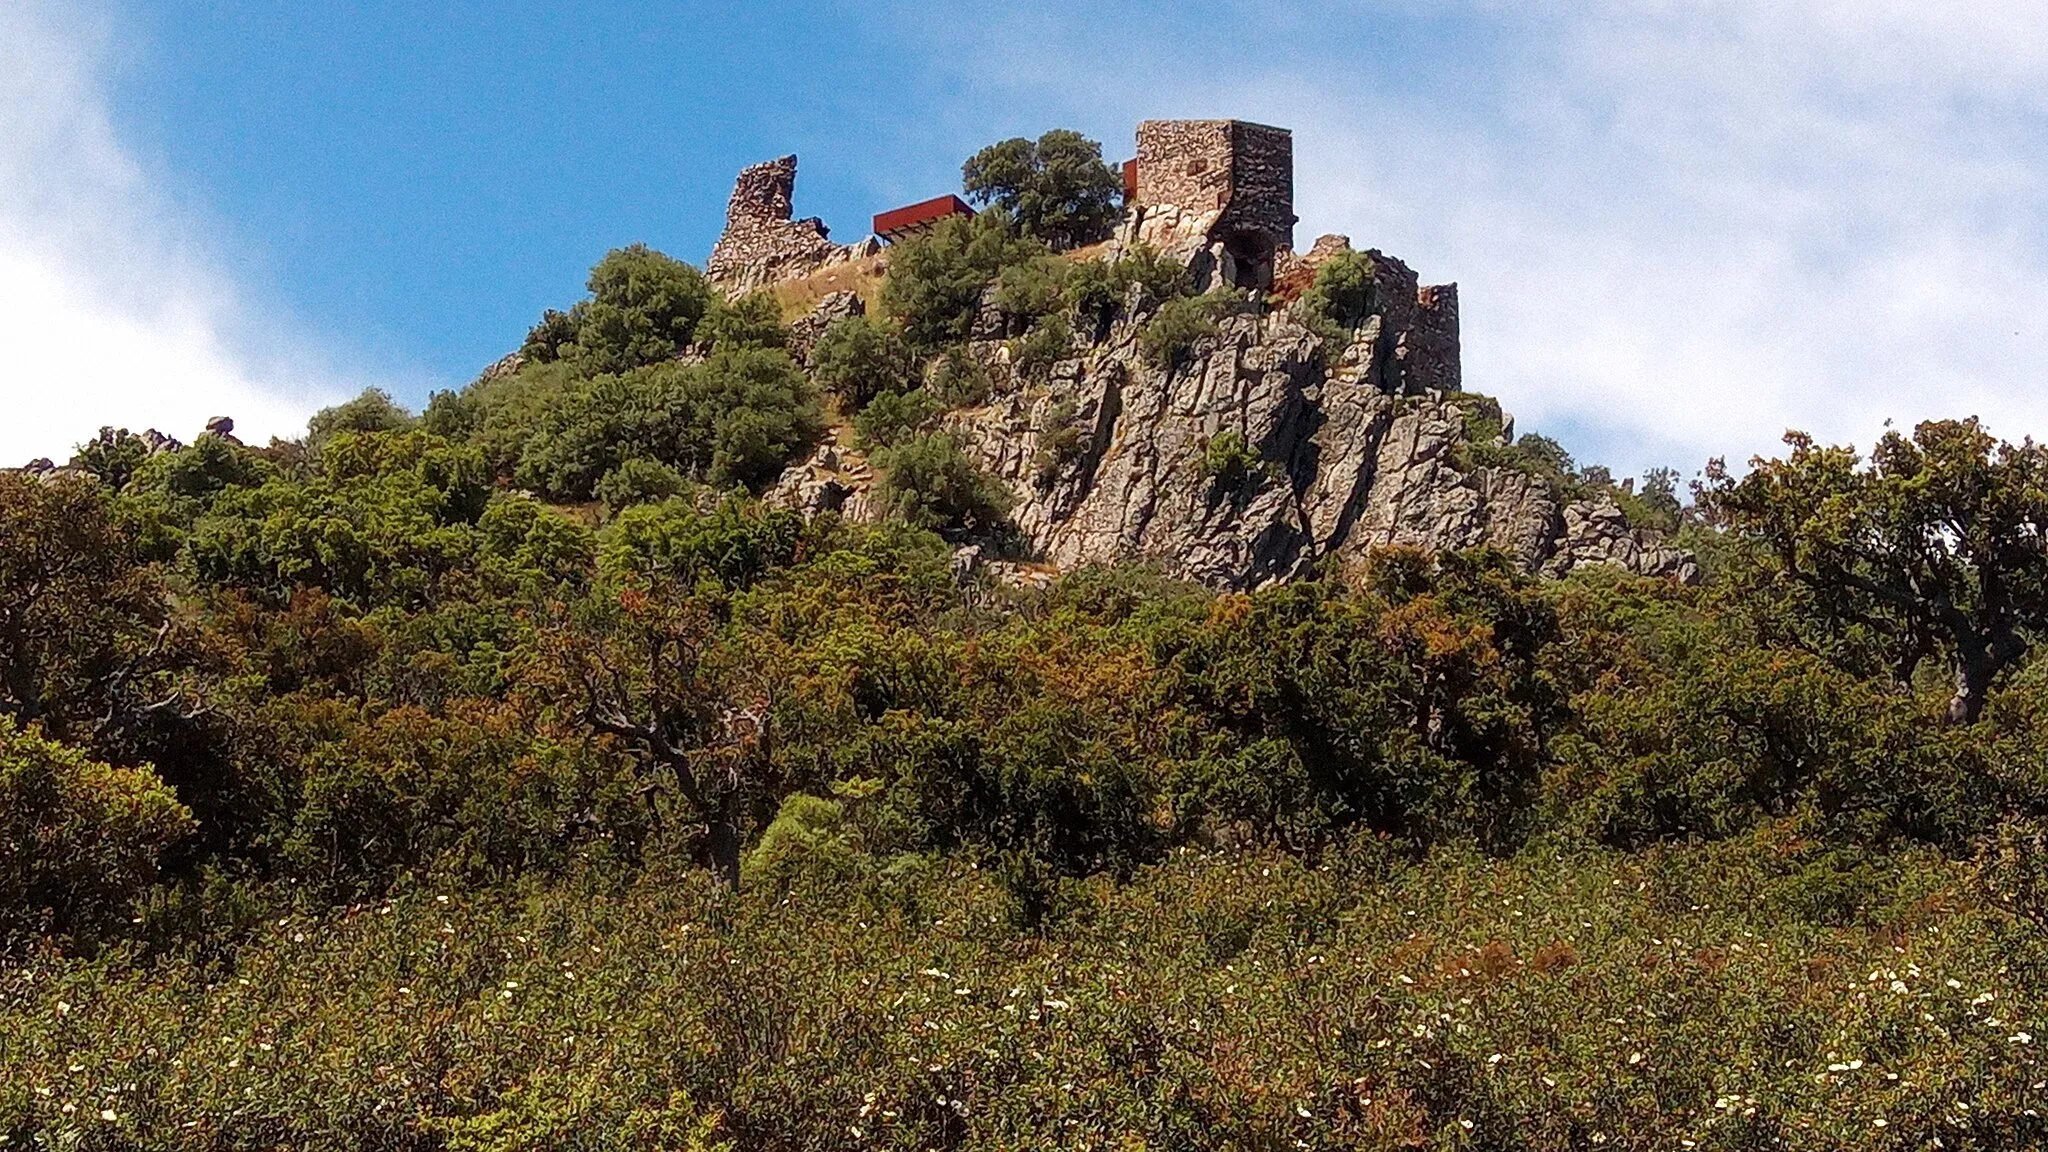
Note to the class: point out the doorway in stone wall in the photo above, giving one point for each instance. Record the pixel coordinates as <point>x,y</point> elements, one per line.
<point>1251,260</point>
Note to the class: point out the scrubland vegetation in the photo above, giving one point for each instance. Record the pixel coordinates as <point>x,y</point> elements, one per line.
<point>509,777</point>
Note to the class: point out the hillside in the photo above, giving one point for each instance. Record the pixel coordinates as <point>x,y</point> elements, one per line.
<point>1083,675</point>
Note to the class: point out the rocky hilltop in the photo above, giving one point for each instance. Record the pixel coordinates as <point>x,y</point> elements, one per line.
<point>1267,443</point>
<point>1109,455</point>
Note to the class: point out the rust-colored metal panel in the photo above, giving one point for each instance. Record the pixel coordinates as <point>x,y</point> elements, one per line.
<point>1131,180</point>
<point>917,217</point>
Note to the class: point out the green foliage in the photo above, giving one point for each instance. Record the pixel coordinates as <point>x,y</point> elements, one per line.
<point>894,417</point>
<point>1343,294</point>
<point>638,481</point>
<point>1057,187</point>
<point>929,483</point>
<point>1230,462</point>
<point>736,418</point>
<point>1099,290</point>
<point>1416,709</point>
<point>1936,544</point>
<point>936,281</point>
<point>373,411</point>
<point>79,839</point>
<point>79,610</point>
<point>1047,343</point>
<point>1209,1002</point>
<point>1171,334</point>
<point>958,380</point>
<point>734,544</point>
<point>1060,441</point>
<point>752,321</point>
<point>112,457</point>
<point>643,309</point>
<point>859,358</point>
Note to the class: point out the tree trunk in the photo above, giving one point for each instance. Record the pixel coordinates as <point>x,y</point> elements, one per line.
<point>725,848</point>
<point>1973,685</point>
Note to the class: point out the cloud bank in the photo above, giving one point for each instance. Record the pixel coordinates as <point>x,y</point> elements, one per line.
<point>111,309</point>
<point>1679,228</point>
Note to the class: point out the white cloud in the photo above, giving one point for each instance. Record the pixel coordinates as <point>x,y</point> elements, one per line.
<point>1679,226</point>
<point>111,311</point>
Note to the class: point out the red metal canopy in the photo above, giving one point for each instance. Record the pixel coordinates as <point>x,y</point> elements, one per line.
<point>911,219</point>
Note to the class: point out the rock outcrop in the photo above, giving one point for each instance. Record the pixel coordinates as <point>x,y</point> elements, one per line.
<point>1257,455</point>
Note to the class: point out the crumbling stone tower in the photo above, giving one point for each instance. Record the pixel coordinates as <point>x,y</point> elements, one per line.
<point>761,244</point>
<point>1228,182</point>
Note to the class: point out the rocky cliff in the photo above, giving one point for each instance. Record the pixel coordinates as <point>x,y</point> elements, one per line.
<point>1257,453</point>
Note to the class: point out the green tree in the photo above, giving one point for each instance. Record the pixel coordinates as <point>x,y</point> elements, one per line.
<point>79,839</point>
<point>860,357</point>
<point>1940,541</point>
<point>1344,293</point>
<point>643,309</point>
<point>644,665</point>
<point>82,619</point>
<point>112,456</point>
<point>373,411</point>
<point>1056,187</point>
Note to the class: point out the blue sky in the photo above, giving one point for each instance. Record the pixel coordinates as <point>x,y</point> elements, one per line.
<point>1678,228</point>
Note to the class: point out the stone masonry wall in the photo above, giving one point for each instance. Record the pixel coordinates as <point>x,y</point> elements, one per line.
<point>1431,354</point>
<point>1185,163</point>
<point>1262,180</point>
<point>761,244</point>
<point>1241,172</point>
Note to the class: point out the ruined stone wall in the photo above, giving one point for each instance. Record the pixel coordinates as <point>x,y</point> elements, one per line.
<point>761,244</point>
<point>1262,182</point>
<point>1242,173</point>
<point>1185,163</point>
<point>1432,354</point>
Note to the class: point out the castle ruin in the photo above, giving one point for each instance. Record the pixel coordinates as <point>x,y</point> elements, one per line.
<point>1215,194</point>
<point>761,244</point>
<point>1229,181</point>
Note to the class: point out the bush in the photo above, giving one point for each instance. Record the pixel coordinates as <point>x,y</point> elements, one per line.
<point>936,281</point>
<point>752,321</point>
<point>1049,342</point>
<point>1229,462</point>
<point>1172,332</point>
<point>737,418</point>
<point>1057,188</point>
<point>894,417</point>
<point>1344,293</point>
<point>79,839</point>
<point>372,411</point>
<point>959,381</point>
<point>860,357</point>
<point>639,481</point>
<point>929,483</point>
<point>1059,441</point>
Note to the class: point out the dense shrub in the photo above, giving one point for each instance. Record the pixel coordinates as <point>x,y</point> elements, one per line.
<point>936,281</point>
<point>1343,294</point>
<point>373,411</point>
<point>79,839</point>
<point>893,417</point>
<point>643,308</point>
<point>737,417</point>
<point>860,357</point>
<point>929,483</point>
<point>1170,335</point>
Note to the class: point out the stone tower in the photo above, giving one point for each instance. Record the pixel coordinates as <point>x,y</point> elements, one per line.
<point>1226,183</point>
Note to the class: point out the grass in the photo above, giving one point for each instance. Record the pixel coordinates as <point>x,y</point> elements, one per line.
<point>1587,1001</point>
